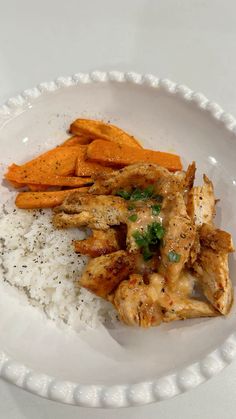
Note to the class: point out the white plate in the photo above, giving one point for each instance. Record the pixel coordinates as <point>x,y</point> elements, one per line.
<point>123,366</point>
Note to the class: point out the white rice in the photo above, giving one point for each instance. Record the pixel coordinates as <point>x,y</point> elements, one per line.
<point>41,263</point>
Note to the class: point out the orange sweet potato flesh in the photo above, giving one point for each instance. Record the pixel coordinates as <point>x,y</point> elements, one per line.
<point>76,140</point>
<point>41,178</point>
<point>87,168</point>
<point>37,200</point>
<point>98,129</point>
<point>111,154</point>
<point>37,188</point>
<point>59,161</point>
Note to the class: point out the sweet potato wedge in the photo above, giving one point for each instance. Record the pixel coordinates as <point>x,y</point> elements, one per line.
<point>37,188</point>
<point>98,129</point>
<point>76,140</point>
<point>59,161</point>
<point>87,168</point>
<point>42,178</point>
<point>117,155</point>
<point>37,200</point>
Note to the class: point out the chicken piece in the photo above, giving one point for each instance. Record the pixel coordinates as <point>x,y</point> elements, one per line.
<point>97,212</point>
<point>201,203</point>
<point>194,251</point>
<point>176,182</point>
<point>190,176</point>
<point>137,303</point>
<point>213,273</point>
<point>101,242</point>
<point>104,273</point>
<point>145,305</point>
<point>142,175</point>
<point>178,239</point>
<point>145,217</point>
<point>216,239</point>
<point>212,266</point>
<point>138,175</point>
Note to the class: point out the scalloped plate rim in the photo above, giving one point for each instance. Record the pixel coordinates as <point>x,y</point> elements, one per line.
<point>122,395</point>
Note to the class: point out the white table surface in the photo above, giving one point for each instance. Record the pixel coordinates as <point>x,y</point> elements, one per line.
<point>189,41</point>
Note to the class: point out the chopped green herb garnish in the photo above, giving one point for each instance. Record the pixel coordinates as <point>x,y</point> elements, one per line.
<point>147,254</point>
<point>133,217</point>
<point>151,237</point>
<point>142,194</point>
<point>139,194</point>
<point>131,207</point>
<point>173,256</point>
<point>155,232</point>
<point>156,209</point>
<point>123,194</point>
<point>140,238</point>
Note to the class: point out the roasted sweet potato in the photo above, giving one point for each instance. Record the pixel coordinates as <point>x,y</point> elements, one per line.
<point>76,140</point>
<point>98,129</point>
<point>59,161</point>
<point>118,155</point>
<point>37,188</point>
<point>37,200</point>
<point>47,179</point>
<point>87,168</point>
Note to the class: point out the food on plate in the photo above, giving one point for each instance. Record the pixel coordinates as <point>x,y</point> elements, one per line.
<point>109,154</point>
<point>98,129</point>
<point>101,242</point>
<point>48,199</point>
<point>152,248</point>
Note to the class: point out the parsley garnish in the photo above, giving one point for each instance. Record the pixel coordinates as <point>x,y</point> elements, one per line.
<point>151,237</point>
<point>173,256</point>
<point>123,194</point>
<point>142,194</point>
<point>156,209</point>
<point>133,217</point>
<point>139,194</point>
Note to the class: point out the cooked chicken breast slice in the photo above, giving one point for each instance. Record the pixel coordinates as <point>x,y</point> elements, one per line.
<point>139,175</point>
<point>213,272</point>
<point>145,305</point>
<point>179,182</point>
<point>101,242</point>
<point>216,239</point>
<point>96,212</point>
<point>178,239</point>
<point>201,203</point>
<point>104,273</point>
<point>142,175</point>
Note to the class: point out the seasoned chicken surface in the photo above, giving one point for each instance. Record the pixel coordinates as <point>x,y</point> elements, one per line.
<point>212,267</point>
<point>145,305</point>
<point>201,203</point>
<point>104,273</point>
<point>143,175</point>
<point>179,237</point>
<point>153,243</point>
<point>216,239</point>
<point>101,242</point>
<point>96,212</point>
